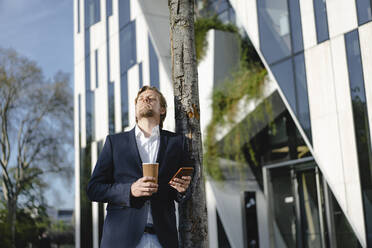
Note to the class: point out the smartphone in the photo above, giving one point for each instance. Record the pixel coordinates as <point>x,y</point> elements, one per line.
<point>183,171</point>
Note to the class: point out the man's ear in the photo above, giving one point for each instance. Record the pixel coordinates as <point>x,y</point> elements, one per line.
<point>162,110</point>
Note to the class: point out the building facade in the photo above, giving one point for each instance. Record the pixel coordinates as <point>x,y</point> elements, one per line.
<point>312,186</point>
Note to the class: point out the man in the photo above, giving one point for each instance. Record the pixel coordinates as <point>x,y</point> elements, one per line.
<point>141,213</point>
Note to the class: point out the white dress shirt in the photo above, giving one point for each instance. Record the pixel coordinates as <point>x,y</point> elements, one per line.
<point>148,148</point>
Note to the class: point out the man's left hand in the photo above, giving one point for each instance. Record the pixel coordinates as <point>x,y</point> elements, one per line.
<point>179,184</point>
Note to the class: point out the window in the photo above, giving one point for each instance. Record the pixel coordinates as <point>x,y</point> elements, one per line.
<point>128,46</point>
<point>79,118</point>
<point>111,107</point>
<point>86,234</point>
<point>140,75</point>
<point>78,15</point>
<point>96,66</point>
<point>87,73</point>
<point>296,27</point>
<point>362,131</point>
<point>291,77</point>
<point>364,11</point>
<point>93,12</point>
<point>154,65</point>
<point>303,113</point>
<point>90,118</point>
<point>321,22</point>
<point>273,21</point>
<point>283,73</point>
<point>109,7</point>
<point>124,12</point>
<point>124,100</point>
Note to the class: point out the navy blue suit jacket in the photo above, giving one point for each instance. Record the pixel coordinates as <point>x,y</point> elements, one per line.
<point>118,166</point>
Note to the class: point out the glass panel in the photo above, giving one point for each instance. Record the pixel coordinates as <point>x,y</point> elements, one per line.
<point>283,73</point>
<point>92,10</point>
<point>303,113</point>
<point>109,7</point>
<point>79,118</point>
<point>78,15</point>
<point>296,27</point>
<point>87,73</point>
<point>128,46</point>
<point>344,234</point>
<point>124,100</point>
<point>311,232</point>
<point>89,116</point>
<point>321,22</point>
<point>124,12</point>
<point>283,208</point>
<point>364,11</point>
<point>140,75</point>
<point>96,66</point>
<point>274,29</point>
<point>154,65</point>
<point>362,132</point>
<point>86,235</point>
<point>223,241</point>
<point>111,108</point>
<point>251,219</point>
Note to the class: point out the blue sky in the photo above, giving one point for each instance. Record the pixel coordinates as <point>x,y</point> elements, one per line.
<point>42,30</point>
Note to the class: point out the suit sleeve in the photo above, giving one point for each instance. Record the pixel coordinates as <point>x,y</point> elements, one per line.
<point>101,186</point>
<point>186,160</point>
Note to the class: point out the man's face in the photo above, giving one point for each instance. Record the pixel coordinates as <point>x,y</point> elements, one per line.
<point>148,105</point>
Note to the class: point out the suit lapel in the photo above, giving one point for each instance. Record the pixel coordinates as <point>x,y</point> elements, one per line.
<point>134,150</point>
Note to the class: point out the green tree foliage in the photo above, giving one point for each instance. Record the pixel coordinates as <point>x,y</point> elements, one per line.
<point>244,84</point>
<point>202,26</point>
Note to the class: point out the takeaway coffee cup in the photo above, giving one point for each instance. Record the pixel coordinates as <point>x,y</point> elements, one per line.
<point>151,170</point>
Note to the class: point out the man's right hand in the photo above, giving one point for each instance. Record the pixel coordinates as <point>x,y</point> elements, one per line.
<point>144,186</point>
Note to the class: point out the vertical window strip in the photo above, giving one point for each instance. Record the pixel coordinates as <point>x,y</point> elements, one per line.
<point>154,65</point>
<point>295,25</point>
<point>321,21</point>
<point>86,219</point>
<point>140,75</point>
<point>111,107</point>
<point>361,126</point>
<point>78,15</point>
<point>92,12</point>
<point>302,98</point>
<point>124,101</point>
<point>79,118</point>
<point>128,54</point>
<point>96,67</point>
<point>109,8</point>
<point>364,11</point>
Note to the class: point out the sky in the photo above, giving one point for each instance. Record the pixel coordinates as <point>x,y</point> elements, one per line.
<point>42,30</point>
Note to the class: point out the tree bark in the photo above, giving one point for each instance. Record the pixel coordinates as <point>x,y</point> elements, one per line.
<point>193,214</point>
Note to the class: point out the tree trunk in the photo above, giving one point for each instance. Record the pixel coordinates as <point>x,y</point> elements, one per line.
<point>12,216</point>
<point>193,214</point>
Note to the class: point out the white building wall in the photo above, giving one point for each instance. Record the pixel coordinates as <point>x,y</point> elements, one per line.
<point>332,125</point>
<point>342,16</point>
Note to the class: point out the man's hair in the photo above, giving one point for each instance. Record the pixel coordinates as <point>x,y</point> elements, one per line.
<point>163,102</point>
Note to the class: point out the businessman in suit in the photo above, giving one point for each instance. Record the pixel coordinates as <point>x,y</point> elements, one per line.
<point>141,213</point>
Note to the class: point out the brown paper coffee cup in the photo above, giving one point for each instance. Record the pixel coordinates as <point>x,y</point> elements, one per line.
<point>151,170</point>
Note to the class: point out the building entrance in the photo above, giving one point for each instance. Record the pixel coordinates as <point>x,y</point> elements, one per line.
<point>296,206</point>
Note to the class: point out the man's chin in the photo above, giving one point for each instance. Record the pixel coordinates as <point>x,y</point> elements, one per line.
<point>146,114</point>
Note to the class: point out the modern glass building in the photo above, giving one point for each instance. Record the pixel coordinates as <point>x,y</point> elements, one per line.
<point>311,182</point>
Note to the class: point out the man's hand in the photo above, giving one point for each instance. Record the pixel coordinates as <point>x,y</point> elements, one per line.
<point>181,185</point>
<point>144,186</point>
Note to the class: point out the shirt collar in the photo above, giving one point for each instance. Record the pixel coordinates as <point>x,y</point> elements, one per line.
<point>155,132</point>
